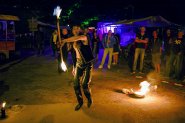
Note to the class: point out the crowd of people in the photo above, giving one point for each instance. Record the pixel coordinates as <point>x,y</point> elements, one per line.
<point>170,48</point>
<point>166,47</point>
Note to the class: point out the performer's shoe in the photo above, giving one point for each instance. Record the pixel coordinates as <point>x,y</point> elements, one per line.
<point>89,103</point>
<point>78,106</point>
<point>108,66</point>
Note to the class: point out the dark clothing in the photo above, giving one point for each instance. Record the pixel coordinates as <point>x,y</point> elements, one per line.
<point>39,37</point>
<point>155,45</point>
<point>95,45</point>
<point>176,58</point>
<point>116,47</point>
<point>167,52</point>
<point>53,44</point>
<point>65,49</point>
<point>89,39</point>
<point>82,70</point>
<point>141,37</point>
<point>167,45</point>
<point>85,52</point>
<point>176,69</point>
<point>73,54</point>
<point>177,45</point>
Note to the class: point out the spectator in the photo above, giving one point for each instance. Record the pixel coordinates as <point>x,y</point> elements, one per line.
<point>176,57</point>
<point>108,43</point>
<point>156,50</point>
<point>167,49</point>
<point>53,41</point>
<point>39,37</point>
<point>95,45</point>
<point>116,49</point>
<point>65,35</point>
<point>140,44</point>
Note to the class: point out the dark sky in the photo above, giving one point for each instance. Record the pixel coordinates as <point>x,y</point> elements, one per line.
<point>172,10</point>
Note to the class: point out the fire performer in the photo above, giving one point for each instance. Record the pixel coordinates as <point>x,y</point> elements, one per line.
<point>83,67</point>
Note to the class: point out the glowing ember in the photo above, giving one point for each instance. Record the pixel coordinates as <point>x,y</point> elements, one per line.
<point>144,89</point>
<point>63,66</point>
<point>4,104</point>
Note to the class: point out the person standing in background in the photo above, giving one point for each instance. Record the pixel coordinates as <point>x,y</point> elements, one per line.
<point>53,41</point>
<point>95,45</point>
<point>167,50</point>
<point>155,45</point>
<point>176,57</point>
<point>108,43</point>
<point>64,35</point>
<point>39,37</point>
<point>140,43</point>
<point>116,50</point>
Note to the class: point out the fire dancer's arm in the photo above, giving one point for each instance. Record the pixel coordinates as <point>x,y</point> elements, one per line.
<point>75,39</point>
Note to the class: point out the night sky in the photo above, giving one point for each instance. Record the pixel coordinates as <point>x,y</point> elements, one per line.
<point>172,10</point>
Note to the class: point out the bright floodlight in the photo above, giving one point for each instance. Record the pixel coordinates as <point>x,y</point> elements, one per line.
<point>57,12</point>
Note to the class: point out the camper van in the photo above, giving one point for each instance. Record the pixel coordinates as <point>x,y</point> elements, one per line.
<point>7,34</point>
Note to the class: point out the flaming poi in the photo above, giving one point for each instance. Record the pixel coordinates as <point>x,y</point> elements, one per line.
<point>3,104</point>
<point>63,66</point>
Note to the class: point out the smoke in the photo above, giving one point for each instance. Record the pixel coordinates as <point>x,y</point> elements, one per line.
<point>154,78</point>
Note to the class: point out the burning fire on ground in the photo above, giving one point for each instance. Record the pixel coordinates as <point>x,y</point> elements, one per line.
<point>145,88</point>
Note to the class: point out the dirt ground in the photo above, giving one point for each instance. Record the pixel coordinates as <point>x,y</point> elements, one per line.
<point>38,94</point>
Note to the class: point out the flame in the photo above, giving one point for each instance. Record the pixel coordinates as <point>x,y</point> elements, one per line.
<point>4,104</point>
<point>63,66</point>
<point>57,11</point>
<point>144,88</point>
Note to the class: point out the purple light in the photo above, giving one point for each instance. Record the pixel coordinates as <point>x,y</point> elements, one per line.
<point>126,32</point>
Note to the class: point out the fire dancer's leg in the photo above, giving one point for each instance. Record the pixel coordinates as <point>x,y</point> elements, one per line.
<point>86,81</point>
<point>78,74</point>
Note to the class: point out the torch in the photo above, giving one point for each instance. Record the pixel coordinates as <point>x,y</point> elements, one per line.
<point>3,111</point>
<point>56,13</point>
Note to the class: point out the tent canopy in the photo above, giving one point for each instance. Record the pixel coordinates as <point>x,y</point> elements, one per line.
<point>151,21</point>
<point>9,18</point>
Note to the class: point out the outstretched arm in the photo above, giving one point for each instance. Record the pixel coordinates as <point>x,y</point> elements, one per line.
<point>75,38</point>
